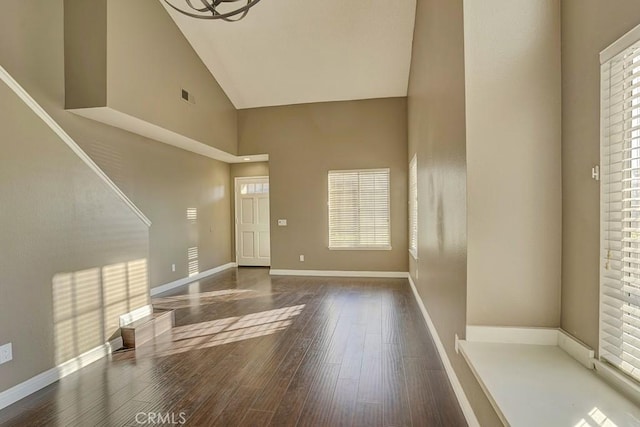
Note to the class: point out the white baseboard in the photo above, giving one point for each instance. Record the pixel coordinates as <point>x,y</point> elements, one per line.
<point>467,410</point>
<point>136,314</point>
<point>181,282</point>
<point>339,273</point>
<point>512,335</point>
<point>40,381</point>
<point>576,349</point>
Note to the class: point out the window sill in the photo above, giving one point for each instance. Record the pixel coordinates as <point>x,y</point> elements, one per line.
<point>534,385</point>
<point>381,248</point>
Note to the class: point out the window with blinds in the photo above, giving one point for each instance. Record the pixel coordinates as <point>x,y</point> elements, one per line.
<point>359,209</point>
<point>413,207</point>
<point>620,212</point>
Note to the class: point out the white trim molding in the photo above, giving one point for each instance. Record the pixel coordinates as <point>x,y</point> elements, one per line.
<point>340,273</point>
<point>512,335</point>
<point>615,378</point>
<point>620,45</point>
<point>467,410</point>
<point>186,280</point>
<point>64,136</point>
<point>42,380</point>
<point>113,117</point>
<point>576,349</point>
<point>136,314</point>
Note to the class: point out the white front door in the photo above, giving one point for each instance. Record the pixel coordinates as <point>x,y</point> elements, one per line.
<point>253,243</point>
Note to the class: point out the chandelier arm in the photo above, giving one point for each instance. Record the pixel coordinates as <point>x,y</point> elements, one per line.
<point>210,7</point>
<point>249,5</point>
<point>195,8</point>
<point>193,15</point>
<point>217,15</point>
<point>238,18</point>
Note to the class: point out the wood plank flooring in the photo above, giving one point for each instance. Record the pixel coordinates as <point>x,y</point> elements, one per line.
<point>253,350</point>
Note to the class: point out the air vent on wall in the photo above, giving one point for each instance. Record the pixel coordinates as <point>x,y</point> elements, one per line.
<point>186,96</point>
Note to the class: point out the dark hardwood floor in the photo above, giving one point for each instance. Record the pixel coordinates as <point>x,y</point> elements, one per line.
<point>251,350</point>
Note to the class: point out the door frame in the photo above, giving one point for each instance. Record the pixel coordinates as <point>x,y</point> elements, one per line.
<point>236,181</point>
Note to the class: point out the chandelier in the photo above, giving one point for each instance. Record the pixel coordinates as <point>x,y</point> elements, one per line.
<point>215,9</point>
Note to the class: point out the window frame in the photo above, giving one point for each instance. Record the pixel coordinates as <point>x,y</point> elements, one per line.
<point>385,247</point>
<point>413,206</point>
<point>610,370</point>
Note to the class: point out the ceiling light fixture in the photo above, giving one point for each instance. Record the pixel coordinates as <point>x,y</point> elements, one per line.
<point>246,159</point>
<point>211,9</point>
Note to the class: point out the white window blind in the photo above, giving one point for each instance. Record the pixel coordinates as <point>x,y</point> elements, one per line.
<point>620,212</point>
<point>413,207</point>
<point>359,209</point>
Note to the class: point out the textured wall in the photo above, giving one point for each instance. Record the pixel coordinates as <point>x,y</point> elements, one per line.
<point>304,142</point>
<point>163,181</point>
<point>73,255</point>
<point>512,72</point>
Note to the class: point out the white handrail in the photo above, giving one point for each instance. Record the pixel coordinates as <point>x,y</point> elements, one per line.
<point>27,99</point>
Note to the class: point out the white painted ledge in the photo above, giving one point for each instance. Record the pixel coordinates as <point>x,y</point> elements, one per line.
<point>534,336</point>
<point>138,126</point>
<point>533,385</point>
<point>186,280</point>
<point>509,335</point>
<point>340,273</point>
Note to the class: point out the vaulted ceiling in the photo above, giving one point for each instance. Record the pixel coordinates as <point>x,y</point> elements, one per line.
<point>300,51</point>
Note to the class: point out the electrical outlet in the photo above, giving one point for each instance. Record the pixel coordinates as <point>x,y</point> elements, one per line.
<point>456,343</point>
<point>301,258</point>
<point>173,268</point>
<point>6,353</point>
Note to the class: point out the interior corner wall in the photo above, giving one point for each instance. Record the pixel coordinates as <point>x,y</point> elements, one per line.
<point>513,119</point>
<point>436,119</point>
<point>588,27</point>
<point>304,142</point>
<point>163,181</point>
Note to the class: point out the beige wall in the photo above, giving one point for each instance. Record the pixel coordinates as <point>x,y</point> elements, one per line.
<point>85,53</point>
<point>238,170</point>
<point>588,26</point>
<point>437,135</point>
<point>74,255</point>
<point>304,142</point>
<point>148,61</point>
<point>513,112</point>
<point>162,180</point>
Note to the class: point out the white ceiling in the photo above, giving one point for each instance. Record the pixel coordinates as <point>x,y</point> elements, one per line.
<point>299,51</point>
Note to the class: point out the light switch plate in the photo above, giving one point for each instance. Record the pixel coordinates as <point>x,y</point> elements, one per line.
<point>282,223</point>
